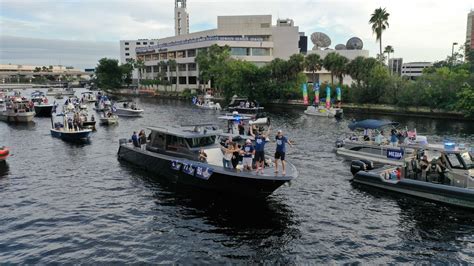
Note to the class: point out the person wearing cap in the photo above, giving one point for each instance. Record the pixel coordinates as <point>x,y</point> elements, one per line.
<point>260,141</point>
<point>281,142</point>
<point>247,150</point>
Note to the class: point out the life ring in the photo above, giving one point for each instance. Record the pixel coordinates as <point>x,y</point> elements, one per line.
<point>4,152</point>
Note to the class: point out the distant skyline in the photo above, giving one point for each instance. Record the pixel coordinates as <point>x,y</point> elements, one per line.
<point>79,33</point>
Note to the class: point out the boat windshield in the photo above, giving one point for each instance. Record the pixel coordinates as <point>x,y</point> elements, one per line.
<point>200,142</point>
<point>468,160</point>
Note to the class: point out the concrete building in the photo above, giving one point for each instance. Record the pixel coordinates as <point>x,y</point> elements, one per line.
<point>324,76</point>
<point>181,18</point>
<point>470,30</point>
<point>128,47</point>
<point>395,66</point>
<point>14,72</point>
<point>250,38</point>
<point>414,69</point>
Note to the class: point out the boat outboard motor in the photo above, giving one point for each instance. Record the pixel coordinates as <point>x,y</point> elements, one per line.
<point>339,143</point>
<point>357,166</point>
<point>368,164</point>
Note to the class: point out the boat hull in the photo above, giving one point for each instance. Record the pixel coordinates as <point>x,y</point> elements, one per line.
<point>129,112</point>
<point>23,117</point>
<point>108,121</point>
<point>4,152</point>
<point>43,110</point>
<point>222,180</point>
<point>72,136</point>
<point>455,196</point>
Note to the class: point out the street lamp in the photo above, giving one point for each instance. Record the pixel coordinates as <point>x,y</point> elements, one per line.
<point>452,49</point>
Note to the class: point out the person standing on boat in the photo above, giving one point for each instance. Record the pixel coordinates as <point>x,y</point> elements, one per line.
<point>260,141</point>
<point>394,138</point>
<point>135,140</point>
<point>202,155</point>
<point>235,155</point>
<point>228,150</point>
<point>248,151</point>
<point>142,137</point>
<point>281,142</point>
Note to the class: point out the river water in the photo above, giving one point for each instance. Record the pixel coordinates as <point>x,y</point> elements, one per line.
<point>65,203</point>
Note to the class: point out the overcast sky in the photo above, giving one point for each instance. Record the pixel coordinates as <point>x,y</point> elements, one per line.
<point>80,32</point>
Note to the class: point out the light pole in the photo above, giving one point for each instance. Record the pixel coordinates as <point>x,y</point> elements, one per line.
<point>452,51</point>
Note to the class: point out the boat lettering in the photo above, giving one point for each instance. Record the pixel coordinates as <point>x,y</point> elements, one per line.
<point>204,172</point>
<point>394,154</point>
<point>176,165</point>
<point>188,168</point>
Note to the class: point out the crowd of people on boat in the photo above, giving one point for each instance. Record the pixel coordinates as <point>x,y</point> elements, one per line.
<point>139,139</point>
<point>396,137</point>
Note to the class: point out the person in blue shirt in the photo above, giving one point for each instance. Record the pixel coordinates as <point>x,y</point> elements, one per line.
<point>281,142</point>
<point>135,139</point>
<point>260,141</point>
<point>247,151</point>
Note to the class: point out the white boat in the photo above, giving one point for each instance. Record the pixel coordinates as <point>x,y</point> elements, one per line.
<point>207,103</point>
<point>128,109</point>
<point>17,111</point>
<point>88,96</point>
<point>322,111</point>
<point>372,145</point>
<point>109,119</point>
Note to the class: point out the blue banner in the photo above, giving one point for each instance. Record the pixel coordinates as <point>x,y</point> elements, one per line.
<point>176,165</point>
<point>204,172</point>
<point>188,169</point>
<point>396,154</point>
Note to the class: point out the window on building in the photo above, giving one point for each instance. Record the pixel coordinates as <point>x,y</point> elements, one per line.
<point>163,56</point>
<point>126,48</point>
<point>192,53</point>
<point>151,43</point>
<point>182,80</point>
<point>173,80</point>
<point>239,51</point>
<point>126,43</point>
<point>145,43</point>
<point>155,56</point>
<point>127,54</point>
<point>148,69</point>
<point>138,43</point>
<point>148,57</point>
<point>260,51</point>
<point>171,55</point>
<point>265,25</point>
<point>156,69</point>
<point>182,67</point>
<point>192,67</point>
<point>192,80</point>
<point>172,68</point>
<point>180,54</point>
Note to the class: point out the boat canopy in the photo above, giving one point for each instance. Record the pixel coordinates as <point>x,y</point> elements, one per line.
<point>371,124</point>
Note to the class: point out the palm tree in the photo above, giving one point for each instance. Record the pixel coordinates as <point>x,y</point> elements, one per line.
<point>379,22</point>
<point>172,64</point>
<point>313,63</point>
<point>388,50</point>
<point>140,65</point>
<point>336,64</point>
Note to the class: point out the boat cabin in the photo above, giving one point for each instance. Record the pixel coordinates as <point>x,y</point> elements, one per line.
<point>448,165</point>
<point>186,142</point>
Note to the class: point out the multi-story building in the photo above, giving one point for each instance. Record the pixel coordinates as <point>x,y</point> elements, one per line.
<point>414,69</point>
<point>128,47</point>
<point>250,38</point>
<point>395,66</point>
<point>470,30</point>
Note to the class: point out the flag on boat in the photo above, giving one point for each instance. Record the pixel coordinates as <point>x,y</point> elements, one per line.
<point>316,93</point>
<point>304,87</point>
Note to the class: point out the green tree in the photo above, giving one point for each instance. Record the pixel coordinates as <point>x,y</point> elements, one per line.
<point>126,70</point>
<point>379,22</point>
<point>388,50</point>
<point>336,64</point>
<point>109,74</point>
<point>173,67</point>
<point>465,101</point>
<point>313,63</point>
<point>211,63</point>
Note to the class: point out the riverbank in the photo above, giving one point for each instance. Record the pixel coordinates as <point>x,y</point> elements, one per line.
<point>348,107</point>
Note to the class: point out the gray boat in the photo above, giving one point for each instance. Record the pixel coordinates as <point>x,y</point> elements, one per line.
<point>173,154</point>
<point>447,178</point>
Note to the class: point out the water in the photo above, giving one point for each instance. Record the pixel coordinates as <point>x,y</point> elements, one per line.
<point>65,203</point>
